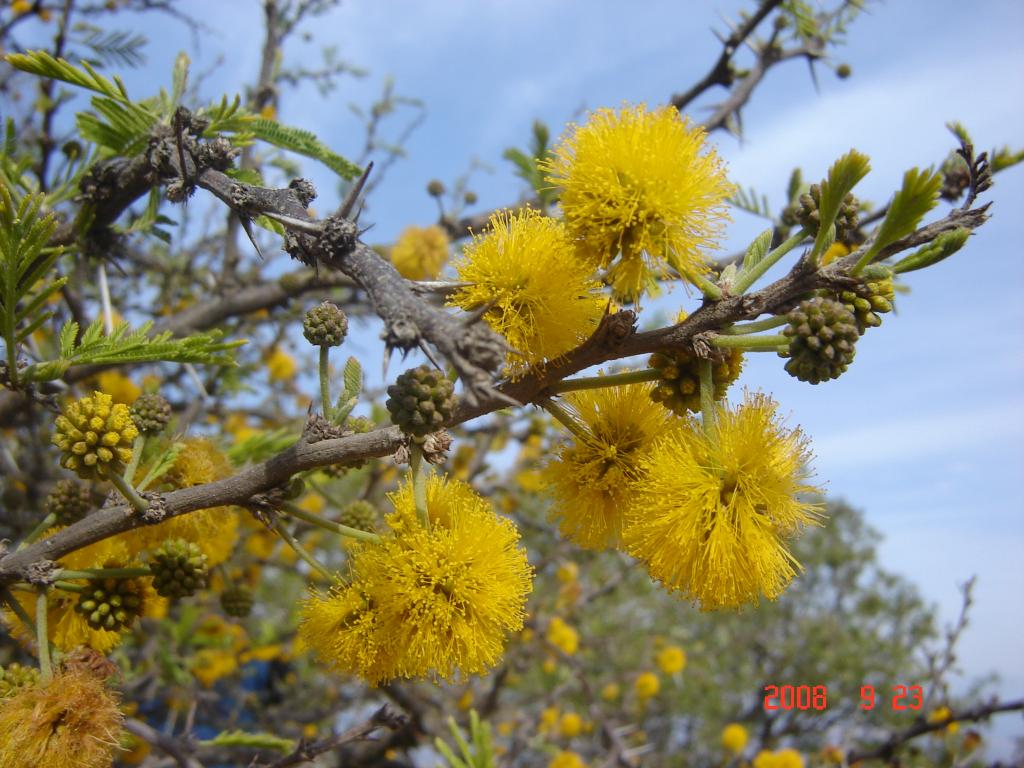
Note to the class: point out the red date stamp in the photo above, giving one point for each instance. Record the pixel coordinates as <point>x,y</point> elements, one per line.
<point>815,697</point>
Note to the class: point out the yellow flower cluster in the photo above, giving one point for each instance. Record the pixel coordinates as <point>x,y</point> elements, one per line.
<point>671,659</point>
<point>708,510</point>
<point>543,299</point>
<point>734,738</point>
<point>420,252</point>
<point>716,505</point>
<point>781,758</point>
<point>646,686</point>
<point>69,628</point>
<point>427,600</point>
<point>562,636</point>
<point>590,479</point>
<point>640,194</point>
<point>73,721</point>
<point>95,436</point>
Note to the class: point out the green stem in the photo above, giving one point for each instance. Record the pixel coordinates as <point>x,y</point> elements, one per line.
<point>612,380</point>
<point>140,504</point>
<point>707,396</point>
<point>752,343</point>
<point>43,637</point>
<point>137,448</point>
<point>705,286</point>
<point>757,326</point>
<point>104,573</point>
<point>344,530</point>
<point>19,611</point>
<point>566,419</point>
<point>419,482</point>
<point>67,586</point>
<point>747,278</point>
<point>45,524</point>
<point>325,381</point>
<point>301,551</point>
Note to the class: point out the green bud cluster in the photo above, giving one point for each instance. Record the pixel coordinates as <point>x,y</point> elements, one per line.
<point>420,401</point>
<point>805,212</point>
<point>14,677</point>
<point>179,569</point>
<point>679,371</point>
<point>111,604</point>
<point>237,601</point>
<point>325,325</point>
<point>868,300</point>
<point>822,333</point>
<point>69,501</point>
<point>151,413</point>
<point>359,514</point>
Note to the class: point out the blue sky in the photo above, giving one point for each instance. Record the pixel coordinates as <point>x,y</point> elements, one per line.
<point>926,431</point>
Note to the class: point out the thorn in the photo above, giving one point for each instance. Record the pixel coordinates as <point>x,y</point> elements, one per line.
<point>350,199</point>
<point>430,357</point>
<point>387,359</point>
<point>308,227</point>
<point>247,227</point>
<point>478,313</point>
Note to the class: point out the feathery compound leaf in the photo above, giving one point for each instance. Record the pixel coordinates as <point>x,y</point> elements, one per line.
<point>751,202</point>
<point>24,263</point>
<point>43,64</point>
<point>254,740</point>
<point>125,345</point>
<point>942,247</point>
<point>757,250</point>
<point>304,143</point>
<point>353,377</point>
<point>162,465</point>
<point>842,178</point>
<point>919,194</point>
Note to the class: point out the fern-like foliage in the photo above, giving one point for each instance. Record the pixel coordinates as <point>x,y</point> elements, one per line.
<point>751,202</point>
<point>119,125</point>
<point>127,345</point>
<point>304,143</point>
<point>478,752</point>
<point>527,163</point>
<point>25,264</point>
<point>842,178</point>
<point>918,195</point>
<point>111,46</point>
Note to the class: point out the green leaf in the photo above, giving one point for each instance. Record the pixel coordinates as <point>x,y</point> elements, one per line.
<point>43,64</point>
<point>918,195</point>
<point>842,178</point>
<point>24,263</point>
<point>942,247</point>
<point>127,345</point>
<point>161,466</point>
<point>795,185</point>
<point>179,79</point>
<point>253,740</point>
<point>757,250</point>
<point>750,201</point>
<point>304,143</point>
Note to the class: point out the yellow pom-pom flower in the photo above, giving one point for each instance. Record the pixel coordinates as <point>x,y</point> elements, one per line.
<point>71,722</point>
<point>611,692</point>
<point>95,436</point>
<point>213,530</point>
<point>640,192</point>
<point>734,738</point>
<point>434,600</point>
<point>570,725</point>
<point>562,636</point>
<point>715,507</point>
<point>69,628</point>
<point>671,659</point>
<point>567,759</point>
<point>646,686</point>
<point>591,479</point>
<point>788,758</point>
<point>280,365</point>
<point>543,298</point>
<point>942,714</point>
<point>420,252</point>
